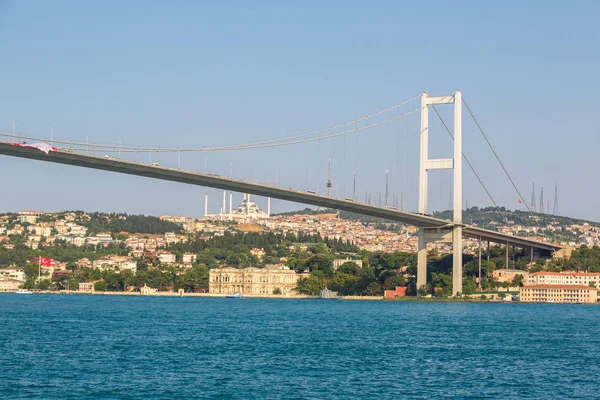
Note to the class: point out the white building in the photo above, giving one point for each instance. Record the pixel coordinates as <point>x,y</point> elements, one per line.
<point>12,273</point>
<point>120,263</point>
<point>272,279</point>
<point>188,257</point>
<point>166,258</point>
<point>564,278</point>
<point>339,262</point>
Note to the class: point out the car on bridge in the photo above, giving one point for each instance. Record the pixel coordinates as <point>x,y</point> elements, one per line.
<point>155,164</point>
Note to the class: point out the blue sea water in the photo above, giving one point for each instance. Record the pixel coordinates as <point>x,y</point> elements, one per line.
<point>104,347</point>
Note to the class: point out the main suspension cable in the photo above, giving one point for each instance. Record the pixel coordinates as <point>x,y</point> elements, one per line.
<point>289,140</point>
<point>503,167</point>
<point>470,166</point>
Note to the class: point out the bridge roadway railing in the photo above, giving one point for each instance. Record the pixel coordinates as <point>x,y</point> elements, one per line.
<point>113,164</point>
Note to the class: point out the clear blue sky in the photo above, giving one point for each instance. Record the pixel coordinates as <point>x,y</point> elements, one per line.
<point>190,73</point>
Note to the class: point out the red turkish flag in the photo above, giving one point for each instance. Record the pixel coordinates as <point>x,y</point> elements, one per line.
<point>45,147</point>
<point>45,261</point>
<point>519,201</point>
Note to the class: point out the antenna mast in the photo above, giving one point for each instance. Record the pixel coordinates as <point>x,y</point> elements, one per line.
<point>555,208</point>
<point>532,204</point>
<point>386,188</point>
<point>329,179</point>
<point>542,199</point>
<point>354,198</point>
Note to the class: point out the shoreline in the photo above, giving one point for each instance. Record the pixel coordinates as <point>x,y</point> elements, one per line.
<point>291,297</point>
<point>207,295</point>
<point>263,296</point>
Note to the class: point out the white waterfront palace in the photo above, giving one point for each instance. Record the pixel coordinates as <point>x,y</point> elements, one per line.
<point>272,279</point>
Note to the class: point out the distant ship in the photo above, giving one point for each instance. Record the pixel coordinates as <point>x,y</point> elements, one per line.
<point>236,295</point>
<point>23,291</point>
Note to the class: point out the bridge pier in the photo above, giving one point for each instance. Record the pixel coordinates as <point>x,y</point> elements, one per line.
<point>479,281</point>
<point>425,165</point>
<point>421,260</point>
<point>457,270</point>
<point>457,247</point>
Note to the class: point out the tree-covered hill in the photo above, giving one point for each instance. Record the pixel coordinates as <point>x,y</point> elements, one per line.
<point>100,222</point>
<point>488,217</point>
<point>97,222</point>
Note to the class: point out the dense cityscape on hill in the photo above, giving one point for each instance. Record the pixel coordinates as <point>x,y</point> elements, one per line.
<point>345,253</point>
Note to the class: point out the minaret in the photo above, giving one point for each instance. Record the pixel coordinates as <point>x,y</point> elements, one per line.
<point>247,203</point>
<point>205,204</point>
<point>329,179</point>
<point>224,207</point>
<point>268,206</point>
<point>230,202</point>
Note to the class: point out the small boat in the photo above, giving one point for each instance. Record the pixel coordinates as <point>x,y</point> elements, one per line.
<point>23,291</point>
<point>236,295</point>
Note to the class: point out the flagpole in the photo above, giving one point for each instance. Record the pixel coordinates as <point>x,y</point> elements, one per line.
<point>39,270</point>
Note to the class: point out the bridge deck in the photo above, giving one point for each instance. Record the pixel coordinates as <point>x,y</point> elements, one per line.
<point>64,156</point>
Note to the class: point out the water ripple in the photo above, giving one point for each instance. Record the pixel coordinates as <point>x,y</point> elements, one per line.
<point>73,347</point>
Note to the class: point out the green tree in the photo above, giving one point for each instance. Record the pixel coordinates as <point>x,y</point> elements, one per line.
<point>518,280</point>
<point>469,287</point>
<point>374,289</point>
<point>321,262</point>
<point>194,280</point>
<point>311,285</point>
<point>45,284</point>
<point>349,268</point>
<point>443,283</point>
<point>345,284</point>
<point>423,291</point>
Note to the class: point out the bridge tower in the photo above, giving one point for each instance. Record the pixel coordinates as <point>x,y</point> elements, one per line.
<point>425,166</point>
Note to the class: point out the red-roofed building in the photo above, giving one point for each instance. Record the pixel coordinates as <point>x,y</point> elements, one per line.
<point>564,278</point>
<point>400,291</point>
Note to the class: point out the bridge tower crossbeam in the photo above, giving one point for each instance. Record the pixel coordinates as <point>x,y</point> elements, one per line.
<point>426,164</point>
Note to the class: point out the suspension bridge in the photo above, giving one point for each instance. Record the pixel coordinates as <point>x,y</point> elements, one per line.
<point>379,144</point>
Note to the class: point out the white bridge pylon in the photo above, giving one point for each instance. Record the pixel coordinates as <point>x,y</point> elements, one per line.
<point>426,164</point>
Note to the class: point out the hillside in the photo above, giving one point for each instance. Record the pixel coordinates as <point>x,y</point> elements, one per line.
<point>490,217</point>
<point>98,222</point>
